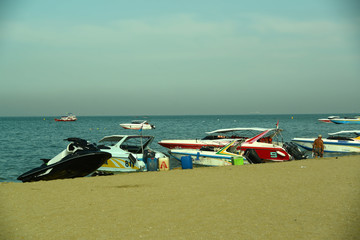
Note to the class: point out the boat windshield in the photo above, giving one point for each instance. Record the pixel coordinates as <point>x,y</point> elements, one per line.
<point>134,144</point>
<point>138,121</point>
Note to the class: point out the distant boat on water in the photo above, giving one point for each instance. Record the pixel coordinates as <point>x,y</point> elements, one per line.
<point>137,124</point>
<point>328,119</point>
<point>68,118</point>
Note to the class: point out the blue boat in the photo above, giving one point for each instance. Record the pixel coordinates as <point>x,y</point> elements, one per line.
<point>346,120</point>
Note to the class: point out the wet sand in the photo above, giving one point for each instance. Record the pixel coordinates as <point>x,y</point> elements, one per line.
<point>307,199</point>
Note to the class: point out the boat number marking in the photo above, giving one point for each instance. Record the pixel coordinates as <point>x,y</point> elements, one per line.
<point>129,164</point>
<point>273,154</point>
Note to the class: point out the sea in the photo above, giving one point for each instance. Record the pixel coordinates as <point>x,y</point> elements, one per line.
<point>25,140</point>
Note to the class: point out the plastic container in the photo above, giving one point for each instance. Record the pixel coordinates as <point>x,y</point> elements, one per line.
<point>152,164</point>
<point>164,164</point>
<point>237,161</point>
<point>186,162</point>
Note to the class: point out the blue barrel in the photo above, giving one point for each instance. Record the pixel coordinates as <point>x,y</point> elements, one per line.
<point>152,164</point>
<point>186,162</point>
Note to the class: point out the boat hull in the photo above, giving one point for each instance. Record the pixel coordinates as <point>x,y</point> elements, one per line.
<point>331,146</point>
<point>325,120</point>
<point>135,127</point>
<point>204,158</point>
<point>346,121</point>
<point>267,151</point>
<point>193,144</point>
<point>121,163</point>
<point>63,120</point>
<point>72,166</point>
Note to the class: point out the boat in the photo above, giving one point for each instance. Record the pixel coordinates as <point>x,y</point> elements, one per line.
<point>79,159</point>
<point>210,156</point>
<point>328,119</point>
<point>267,145</point>
<point>68,118</point>
<point>339,142</point>
<point>264,141</point>
<point>218,138</point>
<point>130,153</point>
<point>346,120</point>
<point>137,125</point>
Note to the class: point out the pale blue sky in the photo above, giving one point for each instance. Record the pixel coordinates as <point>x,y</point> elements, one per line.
<point>179,57</point>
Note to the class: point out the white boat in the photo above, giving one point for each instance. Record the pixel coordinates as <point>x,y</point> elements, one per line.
<point>328,119</point>
<point>346,120</point>
<point>265,141</point>
<point>208,156</point>
<point>338,142</point>
<point>129,153</point>
<point>137,125</point>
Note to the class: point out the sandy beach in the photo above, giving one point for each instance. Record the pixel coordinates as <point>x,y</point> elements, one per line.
<point>306,199</point>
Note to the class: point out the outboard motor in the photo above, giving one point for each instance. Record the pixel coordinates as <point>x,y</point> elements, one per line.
<point>294,151</point>
<point>148,154</point>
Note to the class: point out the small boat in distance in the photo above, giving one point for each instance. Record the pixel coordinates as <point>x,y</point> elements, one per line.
<point>328,120</point>
<point>68,118</point>
<point>137,125</point>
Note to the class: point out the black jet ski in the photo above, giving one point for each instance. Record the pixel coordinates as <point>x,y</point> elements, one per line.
<point>79,159</point>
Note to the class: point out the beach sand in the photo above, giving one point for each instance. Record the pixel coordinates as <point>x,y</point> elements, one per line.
<point>306,199</point>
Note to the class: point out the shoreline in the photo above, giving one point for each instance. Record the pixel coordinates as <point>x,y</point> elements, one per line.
<point>305,199</point>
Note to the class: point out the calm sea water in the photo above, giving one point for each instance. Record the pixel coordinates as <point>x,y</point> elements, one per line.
<point>24,140</point>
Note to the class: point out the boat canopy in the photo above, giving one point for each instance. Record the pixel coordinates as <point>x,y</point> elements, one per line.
<point>117,138</point>
<point>138,121</point>
<point>357,132</point>
<point>227,130</point>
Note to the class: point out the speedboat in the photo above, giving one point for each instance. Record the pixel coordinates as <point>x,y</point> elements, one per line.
<point>79,159</point>
<point>328,119</point>
<point>346,120</point>
<point>210,156</point>
<point>265,143</point>
<point>137,125</point>
<point>218,138</point>
<point>68,118</point>
<point>130,153</point>
<point>338,142</point>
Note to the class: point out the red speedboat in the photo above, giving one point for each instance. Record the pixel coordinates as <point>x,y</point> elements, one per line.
<point>328,120</point>
<point>69,118</point>
<point>265,142</point>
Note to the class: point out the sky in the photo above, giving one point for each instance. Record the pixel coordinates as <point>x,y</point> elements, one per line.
<point>188,57</point>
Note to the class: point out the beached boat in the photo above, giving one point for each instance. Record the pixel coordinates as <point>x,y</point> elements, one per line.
<point>328,119</point>
<point>79,159</point>
<point>338,142</point>
<point>130,153</point>
<point>68,118</point>
<point>218,138</point>
<point>210,156</point>
<point>137,125</point>
<point>266,143</point>
<point>346,120</point>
